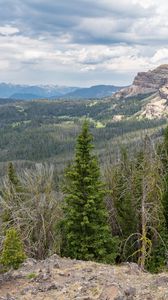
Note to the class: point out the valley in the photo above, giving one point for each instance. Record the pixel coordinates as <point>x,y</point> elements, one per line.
<point>45,130</point>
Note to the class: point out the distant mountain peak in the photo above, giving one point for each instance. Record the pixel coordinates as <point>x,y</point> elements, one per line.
<point>95,91</point>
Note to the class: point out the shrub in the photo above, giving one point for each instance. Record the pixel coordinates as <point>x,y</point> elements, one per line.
<point>13,252</point>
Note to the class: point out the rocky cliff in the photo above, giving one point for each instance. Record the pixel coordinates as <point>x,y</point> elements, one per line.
<point>153,86</point>
<point>65,279</point>
<point>147,82</point>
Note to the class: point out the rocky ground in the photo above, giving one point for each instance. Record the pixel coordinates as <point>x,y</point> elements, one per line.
<point>64,279</point>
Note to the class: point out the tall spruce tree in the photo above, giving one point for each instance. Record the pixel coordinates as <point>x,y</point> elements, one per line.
<point>87,232</point>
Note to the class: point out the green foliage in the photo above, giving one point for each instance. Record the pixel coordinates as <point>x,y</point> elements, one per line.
<point>12,174</point>
<point>32,276</point>
<point>158,258</point>
<point>16,186</point>
<point>124,202</point>
<point>87,232</point>
<point>159,253</point>
<point>164,156</point>
<point>135,205</point>
<point>13,252</point>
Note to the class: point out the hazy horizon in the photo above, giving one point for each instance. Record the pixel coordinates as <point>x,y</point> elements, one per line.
<point>52,84</point>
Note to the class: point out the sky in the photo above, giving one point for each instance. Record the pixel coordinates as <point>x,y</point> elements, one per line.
<point>81,42</point>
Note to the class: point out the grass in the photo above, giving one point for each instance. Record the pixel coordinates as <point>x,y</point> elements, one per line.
<point>31,276</point>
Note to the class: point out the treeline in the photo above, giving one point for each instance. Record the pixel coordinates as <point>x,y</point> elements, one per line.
<point>116,215</point>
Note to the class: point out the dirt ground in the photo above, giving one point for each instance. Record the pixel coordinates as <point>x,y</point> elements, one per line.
<point>64,279</point>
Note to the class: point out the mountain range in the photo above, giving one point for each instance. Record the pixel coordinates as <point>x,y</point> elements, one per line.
<point>27,92</point>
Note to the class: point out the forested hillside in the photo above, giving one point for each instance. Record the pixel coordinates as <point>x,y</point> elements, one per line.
<point>46,130</point>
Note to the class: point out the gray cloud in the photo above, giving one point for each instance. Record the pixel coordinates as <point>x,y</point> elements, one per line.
<point>34,17</point>
<point>92,39</point>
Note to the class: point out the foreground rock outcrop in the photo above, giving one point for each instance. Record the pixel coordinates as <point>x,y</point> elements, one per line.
<point>64,279</point>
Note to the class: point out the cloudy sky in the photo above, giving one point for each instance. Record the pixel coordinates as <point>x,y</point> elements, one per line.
<point>81,42</point>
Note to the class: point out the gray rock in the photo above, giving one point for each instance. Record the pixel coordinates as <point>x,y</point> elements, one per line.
<point>130,293</point>
<point>29,262</point>
<point>161,281</point>
<point>110,292</point>
<point>120,298</point>
<point>48,287</point>
<point>9,297</point>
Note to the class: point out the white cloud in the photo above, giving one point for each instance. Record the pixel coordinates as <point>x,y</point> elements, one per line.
<point>98,37</point>
<point>145,3</point>
<point>8,30</point>
<point>160,56</point>
<point>4,64</point>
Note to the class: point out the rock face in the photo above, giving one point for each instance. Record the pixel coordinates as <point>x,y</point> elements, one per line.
<point>147,82</point>
<point>153,88</point>
<point>163,92</point>
<point>152,80</point>
<point>156,108</point>
<point>65,279</point>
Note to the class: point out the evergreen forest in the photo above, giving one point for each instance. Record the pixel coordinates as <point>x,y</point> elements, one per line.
<point>107,203</point>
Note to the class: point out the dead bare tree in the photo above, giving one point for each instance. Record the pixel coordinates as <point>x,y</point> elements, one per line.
<point>35,211</point>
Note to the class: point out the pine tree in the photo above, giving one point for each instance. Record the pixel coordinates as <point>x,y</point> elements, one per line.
<point>13,252</point>
<point>13,178</point>
<point>86,226</point>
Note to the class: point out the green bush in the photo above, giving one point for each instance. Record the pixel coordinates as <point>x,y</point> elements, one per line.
<point>13,252</point>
